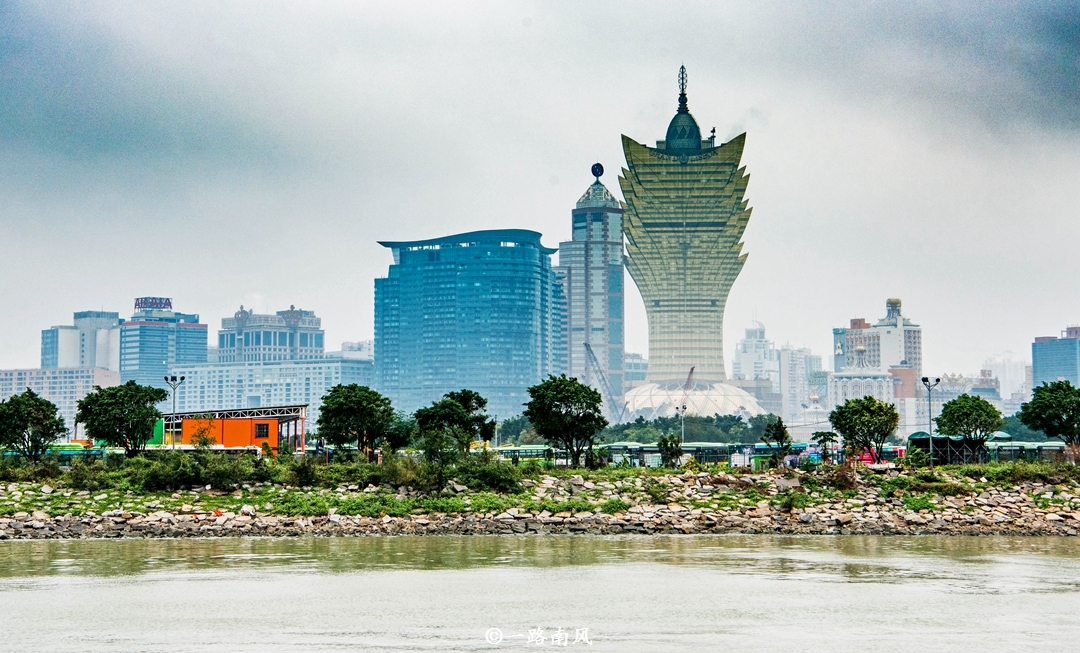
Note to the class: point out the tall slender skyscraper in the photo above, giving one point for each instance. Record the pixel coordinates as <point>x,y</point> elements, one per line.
<point>684,221</point>
<point>591,274</point>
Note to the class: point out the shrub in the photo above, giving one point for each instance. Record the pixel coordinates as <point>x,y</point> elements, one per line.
<point>612,506</point>
<point>303,472</point>
<point>86,474</point>
<point>915,458</point>
<point>656,490</point>
<point>918,502</point>
<point>531,469</point>
<point>842,477</point>
<point>792,499</point>
<point>484,472</point>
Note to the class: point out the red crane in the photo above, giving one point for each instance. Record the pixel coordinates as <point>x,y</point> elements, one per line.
<point>682,403</point>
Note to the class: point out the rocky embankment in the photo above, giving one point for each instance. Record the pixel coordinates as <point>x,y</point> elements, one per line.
<point>686,503</point>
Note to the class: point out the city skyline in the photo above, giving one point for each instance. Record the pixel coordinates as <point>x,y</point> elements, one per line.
<point>858,164</point>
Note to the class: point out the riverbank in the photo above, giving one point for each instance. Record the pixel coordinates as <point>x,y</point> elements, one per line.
<point>607,502</point>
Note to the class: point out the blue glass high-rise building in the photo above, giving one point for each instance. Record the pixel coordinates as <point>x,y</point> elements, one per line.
<point>477,310</point>
<point>1056,359</point>
<point>155,338</point>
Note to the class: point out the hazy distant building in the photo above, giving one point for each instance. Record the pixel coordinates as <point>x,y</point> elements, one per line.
<point>289,335</point>
<point>224,386</point>
<point>363,350</point>
<point>684,221</point>
<point>590,273</point>
<point>891,341</point>
<point>1056,358</point>
<point>635,369</point>
<point>156,338</point>
<point>92,341</point>
<point>859,380</point>
<point>62,386</point>
<point>473,310</point>
<point>756,357</point>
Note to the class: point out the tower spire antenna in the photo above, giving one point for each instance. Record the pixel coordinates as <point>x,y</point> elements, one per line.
<point>682,90</point>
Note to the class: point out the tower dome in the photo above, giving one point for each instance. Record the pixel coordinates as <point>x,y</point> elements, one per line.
<point>683,134</point>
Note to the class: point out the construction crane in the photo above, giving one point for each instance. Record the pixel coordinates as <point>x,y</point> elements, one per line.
<point>609,396</point>
<point>682,403</point>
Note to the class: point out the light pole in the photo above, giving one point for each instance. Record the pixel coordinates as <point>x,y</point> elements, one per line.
<point>682,423</point>
<point>930,412</point>
<point>174,383</point>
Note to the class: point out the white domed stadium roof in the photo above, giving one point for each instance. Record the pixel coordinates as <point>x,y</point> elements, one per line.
<point>654,400</point>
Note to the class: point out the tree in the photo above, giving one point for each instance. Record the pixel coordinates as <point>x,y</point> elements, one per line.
<point>756,426</point>
<point>402,431</point>
<point>727,422</point>
<point>567,413</point>
<point>973,418</point>
<point>865,424</point>
<point>1020,431</point>
<point>449,418</point>
<point>1054,409</point>
<point>777,438</point>
<point>475,407</point>
<point>29,424</point>
<point>354,413</point>
<point>825,440</point>
<point>121,416</point>
<point>670,449</point>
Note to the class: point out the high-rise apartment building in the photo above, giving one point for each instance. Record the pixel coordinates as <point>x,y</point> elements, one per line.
<point>289,335</point>
<point>64,387</point>
<point>1056,358</point>
<point>156,338</point>
<point>893,341</point>
<point>756,357</point>
<point>474,310</point>
<point>92,341</point>
<point>590,273</point>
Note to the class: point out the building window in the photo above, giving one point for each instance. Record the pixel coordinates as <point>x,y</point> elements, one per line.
<point>262,430</point>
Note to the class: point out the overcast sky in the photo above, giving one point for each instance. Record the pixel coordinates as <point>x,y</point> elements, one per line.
<point>252,153</point>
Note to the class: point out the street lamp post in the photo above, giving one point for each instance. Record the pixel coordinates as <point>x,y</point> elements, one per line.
<point>930,412</point>
<point>174,383</point>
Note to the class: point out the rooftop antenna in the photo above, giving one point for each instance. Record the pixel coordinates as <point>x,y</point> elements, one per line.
<point>682,90</point>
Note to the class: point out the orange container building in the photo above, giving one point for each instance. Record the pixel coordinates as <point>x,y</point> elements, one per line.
<point>233,432</point>
<point>242,427</point>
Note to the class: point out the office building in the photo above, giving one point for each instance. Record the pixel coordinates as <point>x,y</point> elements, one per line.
<point>1056,358</point>
<point>289,335</point>
<point>684,218</point>
<point>92,341</point>
<point>892,341</point>
<point>62,386</point>
<point>473,310</point>
<point>157,338</point>
<point>590,273</point>
<point>211,387</point>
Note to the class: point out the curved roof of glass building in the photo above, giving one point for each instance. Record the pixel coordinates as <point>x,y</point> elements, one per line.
<point>654,400</point>
<point>511,236</point>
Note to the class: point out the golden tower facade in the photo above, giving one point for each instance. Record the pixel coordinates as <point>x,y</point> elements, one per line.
<point>684,220</point>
